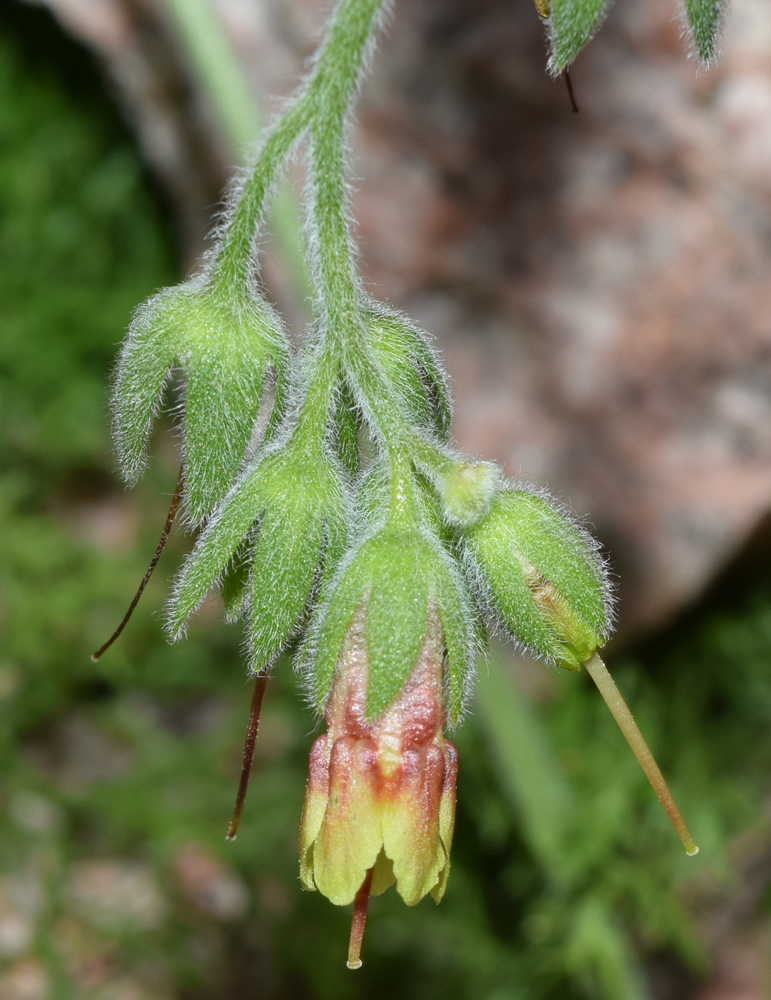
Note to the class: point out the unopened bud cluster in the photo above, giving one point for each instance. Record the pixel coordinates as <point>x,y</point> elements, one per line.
<point>335,517</point>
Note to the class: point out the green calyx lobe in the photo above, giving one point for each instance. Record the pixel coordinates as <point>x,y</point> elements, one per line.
<point>300,530</point>
<point>411,369</point>
<point>572,23</point>
<point>705,18</point>
<point>396,574</point>
<point>269,537</point>
<point>542,576</point>
<point>224,343</point>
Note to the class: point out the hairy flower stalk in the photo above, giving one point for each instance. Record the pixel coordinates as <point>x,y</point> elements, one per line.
<point>342,522</point>
<point>618,707</point>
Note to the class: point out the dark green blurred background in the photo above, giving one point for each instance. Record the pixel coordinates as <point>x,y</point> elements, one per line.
<point>117,778</point>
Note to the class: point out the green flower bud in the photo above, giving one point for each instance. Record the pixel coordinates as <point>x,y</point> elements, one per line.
<point>467,491</point>
<point>542,577</point>
<point>411,368</point>
<point>224,343</point>
<point>292,511</point>
<point>399,573</point>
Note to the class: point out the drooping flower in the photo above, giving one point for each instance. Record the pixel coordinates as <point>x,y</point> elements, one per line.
<point>380,801</point>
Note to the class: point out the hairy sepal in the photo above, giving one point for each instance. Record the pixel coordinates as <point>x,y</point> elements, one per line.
<point>234,582</point>
<point>299,502</point>
<point>216,548</point>
<point>396,614</point>
<point>411,367</point>
<point>395,575</point>
<point>143,368</point>
<point>461,639</point>
<point>346,424</point>
<point>572,24</point>
<point>300,531</point>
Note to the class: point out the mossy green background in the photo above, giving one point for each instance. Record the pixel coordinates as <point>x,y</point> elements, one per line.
<point>567,881</point>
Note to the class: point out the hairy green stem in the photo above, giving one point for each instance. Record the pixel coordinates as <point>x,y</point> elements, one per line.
<point>234,256</point>
<point>323,108</point>
<point>331,84</point>
<point>226,87</point>
<point>339,293</point>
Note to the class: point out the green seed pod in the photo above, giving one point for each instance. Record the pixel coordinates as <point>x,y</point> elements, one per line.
<point>542,577</point>
<point>224,345</point>
<point>397,574</point>
<point>290,530</point>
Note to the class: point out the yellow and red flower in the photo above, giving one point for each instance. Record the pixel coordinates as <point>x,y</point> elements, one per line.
<point>380,801</point>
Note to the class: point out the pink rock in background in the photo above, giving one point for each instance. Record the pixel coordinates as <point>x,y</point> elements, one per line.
<point>599,282</point>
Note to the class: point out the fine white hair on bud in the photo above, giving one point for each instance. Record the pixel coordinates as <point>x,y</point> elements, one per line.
<point>542,577</point>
